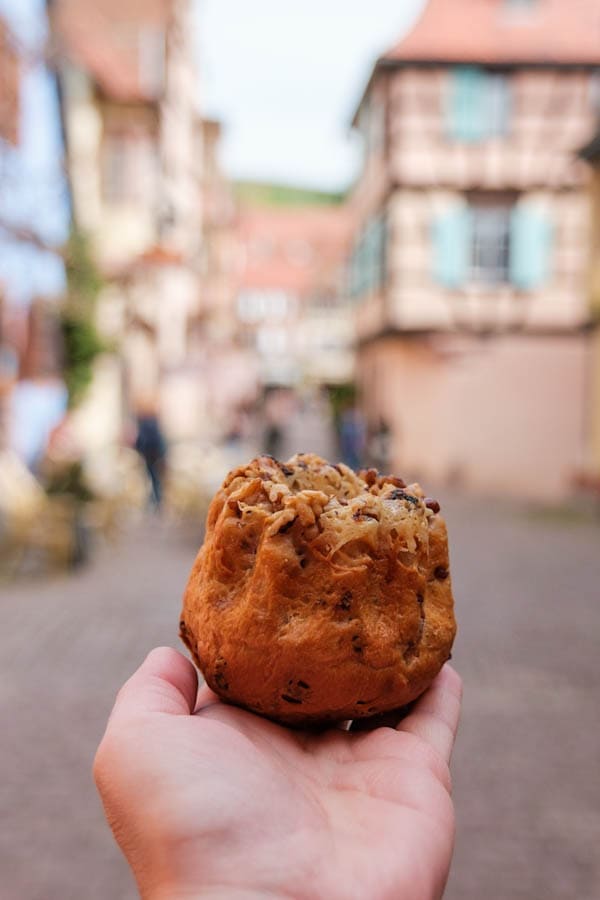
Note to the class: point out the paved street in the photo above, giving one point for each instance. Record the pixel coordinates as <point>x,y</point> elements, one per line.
<point>526,766</point>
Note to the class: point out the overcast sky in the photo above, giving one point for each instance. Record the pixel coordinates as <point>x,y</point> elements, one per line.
<point>285,77</point>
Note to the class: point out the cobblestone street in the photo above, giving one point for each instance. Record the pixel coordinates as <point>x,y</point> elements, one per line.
<point>526,765</point>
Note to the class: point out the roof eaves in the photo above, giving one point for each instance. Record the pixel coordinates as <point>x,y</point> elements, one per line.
<point>525,63</point>
<point>380,64</point>
<point>389,63</point>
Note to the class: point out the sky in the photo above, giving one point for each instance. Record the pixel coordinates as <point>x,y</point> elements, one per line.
<point>285,77</point>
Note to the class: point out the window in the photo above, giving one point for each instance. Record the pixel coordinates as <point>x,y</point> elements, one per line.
<point>115,175</point>
<point>369,260</point>
<point>478,104</point>
<point>130,166</point>
<point>490,244</point>
<point>497,108</point>
<point>261,305</point>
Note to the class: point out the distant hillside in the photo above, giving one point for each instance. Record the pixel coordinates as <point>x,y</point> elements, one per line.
<point>262,194</point>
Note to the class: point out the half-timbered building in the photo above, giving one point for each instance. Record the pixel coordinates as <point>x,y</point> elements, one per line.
<point>469,264</point>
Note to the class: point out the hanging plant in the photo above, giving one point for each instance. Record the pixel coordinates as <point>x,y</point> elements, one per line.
<point>81,340</point>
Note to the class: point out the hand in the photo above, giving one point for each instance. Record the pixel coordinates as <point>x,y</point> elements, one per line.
<point>207,800</point>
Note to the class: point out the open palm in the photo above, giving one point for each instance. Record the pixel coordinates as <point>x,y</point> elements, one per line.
<point>207,800</point>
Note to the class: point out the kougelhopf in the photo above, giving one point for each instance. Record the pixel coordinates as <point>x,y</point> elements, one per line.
<point>319,594</point>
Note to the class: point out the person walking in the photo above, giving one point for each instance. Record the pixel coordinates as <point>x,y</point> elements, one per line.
<point>151,444</point>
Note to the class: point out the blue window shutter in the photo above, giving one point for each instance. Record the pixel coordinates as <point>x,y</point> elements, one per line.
<point>467,116</point>
<point>367,267</point>
<point>371,252</point>
<point>452,238</point>
<point>358,268</point>
<point>530,248</point>
<point>365,262</point>
<point>378,251</point>
<point>356,271</point>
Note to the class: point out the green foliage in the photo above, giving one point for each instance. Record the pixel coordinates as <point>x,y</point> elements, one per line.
<point>341,396</point>
<point>264,194</point>
<point>81,341</point>
<point>69,480</point>
<point>81,345</point>
<point>83,278</point>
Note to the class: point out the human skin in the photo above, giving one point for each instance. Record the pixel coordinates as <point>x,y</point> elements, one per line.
<point>210,801</point>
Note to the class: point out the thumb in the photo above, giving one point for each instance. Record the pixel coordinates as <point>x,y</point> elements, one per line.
<point>166,683</point>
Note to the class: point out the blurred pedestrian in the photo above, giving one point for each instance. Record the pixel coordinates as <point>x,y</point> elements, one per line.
<point>151,444</point>
<point>352,436</point>
<point>278,408</point>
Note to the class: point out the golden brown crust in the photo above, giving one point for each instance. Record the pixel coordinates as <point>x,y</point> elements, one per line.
<point>319,594</point>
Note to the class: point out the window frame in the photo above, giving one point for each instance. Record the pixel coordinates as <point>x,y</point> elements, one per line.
<point>495,219</point>
<point>489,90</point>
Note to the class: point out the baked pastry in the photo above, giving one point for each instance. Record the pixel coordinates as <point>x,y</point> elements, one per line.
<point>319,594</point>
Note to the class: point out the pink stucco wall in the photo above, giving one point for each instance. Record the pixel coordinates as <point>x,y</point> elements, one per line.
<point>503,414</point>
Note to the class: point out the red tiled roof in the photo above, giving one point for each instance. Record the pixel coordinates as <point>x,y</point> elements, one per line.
<point>102,36</point>
<point>155,256</point>
<point>295,249</point>
<point>161,256</point>
<point>560,32</point>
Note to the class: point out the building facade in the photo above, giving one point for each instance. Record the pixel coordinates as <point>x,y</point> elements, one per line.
<point>9,79</point>
<point>469,264</point>
<point>32,228</point>
<point>591,154</point>
<point>292,303</point>
<point>136,150</point>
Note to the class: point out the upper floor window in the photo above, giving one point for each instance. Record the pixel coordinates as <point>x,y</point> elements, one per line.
<point>368,265</point>
<point>129,167</point>
<point>491,242</point>
<point>478,104</point>
<point>116,187</point>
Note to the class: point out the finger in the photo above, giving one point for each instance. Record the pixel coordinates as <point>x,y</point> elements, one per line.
<point>205,697</point>
<point>166,683</point>
<point>434,717</point>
